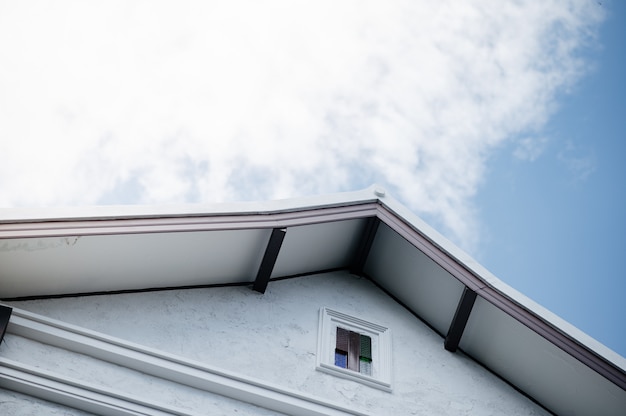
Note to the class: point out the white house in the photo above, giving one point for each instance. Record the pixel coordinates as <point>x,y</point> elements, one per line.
<point>345,304</point>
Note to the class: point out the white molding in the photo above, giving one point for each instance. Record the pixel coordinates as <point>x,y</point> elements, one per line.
<point>167,366</point>
<point>381,348</point>
<point>77,394</point>
<point>219,209</point>
<point>100,227</point>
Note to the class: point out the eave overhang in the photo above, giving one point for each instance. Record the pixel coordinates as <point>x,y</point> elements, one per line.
<point>365,232</point>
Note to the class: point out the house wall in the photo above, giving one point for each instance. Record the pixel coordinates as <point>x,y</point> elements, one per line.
<point>273,337</point>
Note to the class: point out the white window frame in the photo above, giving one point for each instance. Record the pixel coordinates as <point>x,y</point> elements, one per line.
<point>381,348</point>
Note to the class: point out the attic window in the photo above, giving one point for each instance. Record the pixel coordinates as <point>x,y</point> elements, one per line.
<point>355,349</point>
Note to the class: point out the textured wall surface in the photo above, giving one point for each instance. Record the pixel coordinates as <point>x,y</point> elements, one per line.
<point>273,337</point>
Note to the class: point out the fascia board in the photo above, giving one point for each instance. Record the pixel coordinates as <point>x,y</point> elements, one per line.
<point>485,279</point>
<point>467,270</point>
<point>206,222</point>
<point>18,215</point>
<point>185,224</point>
<point>170,367</point>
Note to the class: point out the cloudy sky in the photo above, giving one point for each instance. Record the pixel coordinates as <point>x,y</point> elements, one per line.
<point>499,122</point>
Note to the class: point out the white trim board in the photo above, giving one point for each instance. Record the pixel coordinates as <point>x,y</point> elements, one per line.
<point>77,394</point>
<point>156,363</point>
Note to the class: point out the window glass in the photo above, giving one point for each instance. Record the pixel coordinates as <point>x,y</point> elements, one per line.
<point>353,351</point>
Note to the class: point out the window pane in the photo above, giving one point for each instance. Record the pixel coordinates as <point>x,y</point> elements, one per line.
<point>353,351</point>
<point>365,367</point>
<point>341,359</point>
<point>342,339</point>
<point>366,347</point>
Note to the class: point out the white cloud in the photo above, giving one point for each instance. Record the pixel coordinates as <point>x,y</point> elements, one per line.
<point>153,102</point>
<point>580,162</point>
<point>530,148</point>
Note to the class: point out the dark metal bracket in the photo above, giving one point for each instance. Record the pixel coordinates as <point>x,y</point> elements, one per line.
<point>5,315</point>
<point>365,245</point>
<point>269,259</point>
<point>457,326</point>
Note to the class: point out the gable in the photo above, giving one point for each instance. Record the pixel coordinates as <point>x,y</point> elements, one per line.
<point>272,338</point>
<point>366,233</point>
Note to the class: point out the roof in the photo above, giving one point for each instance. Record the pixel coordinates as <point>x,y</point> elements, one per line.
<point>109,249</point>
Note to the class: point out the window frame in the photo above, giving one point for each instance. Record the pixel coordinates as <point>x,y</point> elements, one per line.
<point>381,348</point>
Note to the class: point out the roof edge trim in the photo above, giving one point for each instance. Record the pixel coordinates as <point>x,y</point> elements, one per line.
<point>370,194</point>
<point>475,277</point>
<point>208,222</point>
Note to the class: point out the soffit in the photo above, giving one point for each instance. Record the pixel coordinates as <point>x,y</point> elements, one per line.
<point>414,278</point>
<point>43,266</point>
<point>536,366</point>
<point>97,263</point>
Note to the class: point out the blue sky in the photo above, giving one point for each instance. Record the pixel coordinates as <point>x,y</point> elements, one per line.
<point>557,225</point>
<point>500,123</point>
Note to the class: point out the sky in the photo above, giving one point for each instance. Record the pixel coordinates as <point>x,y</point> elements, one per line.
<point>501,123</point>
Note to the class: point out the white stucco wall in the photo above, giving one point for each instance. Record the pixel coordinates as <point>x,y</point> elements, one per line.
<point>273,337</point>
